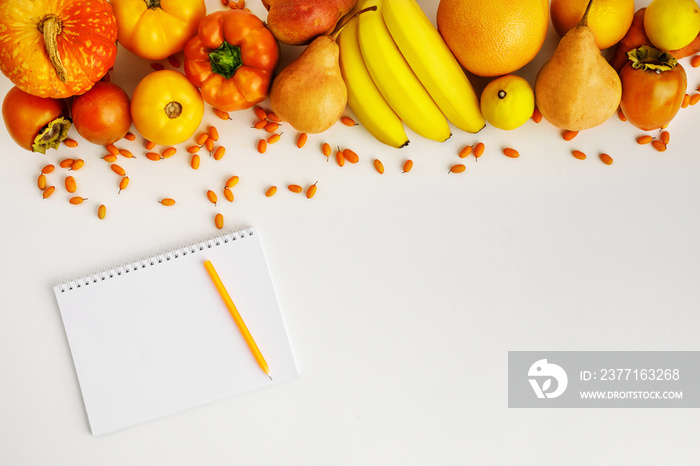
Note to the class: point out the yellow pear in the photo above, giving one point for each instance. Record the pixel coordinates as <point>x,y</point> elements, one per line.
<point>310,93</point>
<point>576,88</point>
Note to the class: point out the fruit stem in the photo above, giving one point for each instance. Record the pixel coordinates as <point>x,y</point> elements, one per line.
<point>584,19</point>
<point>650,58</point>
<point>335,33</point>
<point>50,26</point>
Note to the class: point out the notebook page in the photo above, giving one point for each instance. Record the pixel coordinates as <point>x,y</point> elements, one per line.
<point>159,339</point>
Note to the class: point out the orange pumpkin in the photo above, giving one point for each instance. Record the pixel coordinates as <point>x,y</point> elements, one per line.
<point>56,48</point>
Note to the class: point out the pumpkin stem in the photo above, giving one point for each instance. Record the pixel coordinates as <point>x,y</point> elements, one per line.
<point>51,27</point>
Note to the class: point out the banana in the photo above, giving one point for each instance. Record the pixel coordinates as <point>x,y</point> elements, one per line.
<point>432,61</point>
<point>395,79</point>
<point>364,98</point>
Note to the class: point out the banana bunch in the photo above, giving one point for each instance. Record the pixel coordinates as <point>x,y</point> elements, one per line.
<point>398,70</point>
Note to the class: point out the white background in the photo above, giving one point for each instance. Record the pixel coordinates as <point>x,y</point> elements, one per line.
<point>402,293</point>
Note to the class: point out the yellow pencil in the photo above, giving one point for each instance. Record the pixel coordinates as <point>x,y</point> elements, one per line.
<point>237,317</point>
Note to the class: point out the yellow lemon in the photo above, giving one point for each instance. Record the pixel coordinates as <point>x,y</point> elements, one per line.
<point>672,24</point>
<point>507,102</point>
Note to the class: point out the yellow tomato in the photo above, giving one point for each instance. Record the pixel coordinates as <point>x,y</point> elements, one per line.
<point>156,29</point>
<point>166,107</point>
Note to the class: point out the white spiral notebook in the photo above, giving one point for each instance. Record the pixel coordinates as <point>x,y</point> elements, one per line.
<point>153,337</point>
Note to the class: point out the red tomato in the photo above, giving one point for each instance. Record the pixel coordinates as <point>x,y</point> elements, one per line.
<point>653,87</point>
<point>102,115</point>
<point>35,123</point>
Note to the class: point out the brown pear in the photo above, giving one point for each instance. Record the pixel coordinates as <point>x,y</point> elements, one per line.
<point>310,93</point>
<point>577,88</point>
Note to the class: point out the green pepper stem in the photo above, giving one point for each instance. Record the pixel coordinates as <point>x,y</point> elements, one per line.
<point>226,59</point>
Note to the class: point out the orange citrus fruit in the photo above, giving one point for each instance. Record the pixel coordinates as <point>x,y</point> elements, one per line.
<point>493,38</point>
<point>608,19</point>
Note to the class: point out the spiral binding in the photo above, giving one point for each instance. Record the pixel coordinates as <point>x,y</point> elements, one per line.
<point>152,260</point>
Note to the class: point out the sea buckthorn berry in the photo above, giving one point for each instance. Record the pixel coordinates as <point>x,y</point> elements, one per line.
<point>695,61</point>
<point>193,149</point>
<point>150,145</point>
<point>167,201</point>
<point>112,149</point>
<point>479,149</point>
<point>211,195</point>
<point>77,164</point>
<point>301,140</point>
<point>273,117</point>
<point>459,168</point>
<point>219,221</point>
<point>153,156</point>
<point>407,166</point>
<point>464,153</point>
<point>77,200</point>
<point>578,154</point>
<point>621,115</point>
<point>606,159</point>
<point>665,137</point>
<point>326,149</point>
<point>221,114</point>
<point>219,153</point>
<point>123,183</point>
<point>48,191</point>
<point>66,163</point>
<point>347,121</point>
<point>70,142</point>
<point>686,101</point>
<point>646,139</point>
<point>126,153</point>
<point>202,138</point>
<point>41,182</point>
<point>101,212</point>
<point>194,161</point>
<point>117,169</point>
<point>272,126</point>
<point>295,188</point>
<point>213,133</point>
<point>260,124</point>
<point>271,191</point>
<point>111,158</point>
<point>694,99</point>
<point>510,152</point>
<point>351,156</point>
<point>260,113</point>
<point>658,145</point>
<point>209,145</point>
<point>379,166</point>
<point>231,182</point>
<point>48,169</point>
<point>569,135</point>
<point>536,115</point>
<point>262,146</point>
<point>168,152</point>
<point>71,185</point>
<point>228,194</point>
<point>273,138</point>
<point>311,191</point>
<point>130,136</point>
<point>340,158</point>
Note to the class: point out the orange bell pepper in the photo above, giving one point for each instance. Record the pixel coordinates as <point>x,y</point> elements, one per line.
<point>232,59</point>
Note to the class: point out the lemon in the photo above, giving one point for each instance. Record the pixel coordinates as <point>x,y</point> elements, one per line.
<point>672,24</point>
<point>507,102</point>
